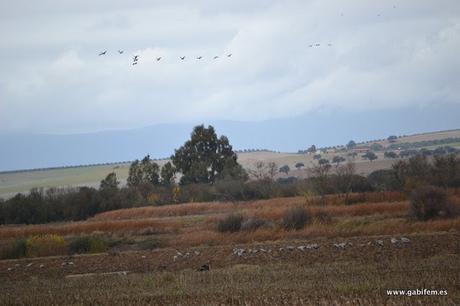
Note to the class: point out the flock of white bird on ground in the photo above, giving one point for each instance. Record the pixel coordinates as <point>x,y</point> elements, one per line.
<point>182,58</point>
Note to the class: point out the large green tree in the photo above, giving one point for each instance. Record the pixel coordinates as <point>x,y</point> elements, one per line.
<point>168,173</point>
<point>110,182</point>
<point>205,158</point>
<point>144,171</point>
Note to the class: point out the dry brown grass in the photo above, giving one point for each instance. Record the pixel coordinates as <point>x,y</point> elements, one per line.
<point>391,209</point>
<point>178,210</point>
<point>339,282</point>
<point>158,226</point>
<point>275,212</point>
<point>212,238</point>
<point>348,227</point>
<point>195,224</point>
<point>363,197</point>
<point>189,209</point>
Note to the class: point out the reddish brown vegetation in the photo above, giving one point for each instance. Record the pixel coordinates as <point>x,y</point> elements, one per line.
<point>190,209</point>
<point>158,226</point>
<point>165,211</point>
<point>195,224</point>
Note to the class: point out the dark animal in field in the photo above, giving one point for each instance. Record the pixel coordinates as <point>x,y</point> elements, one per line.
<point>204,268</point>
<point>103,53</point>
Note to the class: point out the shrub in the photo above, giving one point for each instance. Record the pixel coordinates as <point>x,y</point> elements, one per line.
<point>45,245</point>
<point>98,245</point>
<point>383,180</point>
<point>429,202</point>
<point>79,245</point>
<point>295,218</point>
<point>231,223</point>
<point>15,249</point>
<point>253,224</point>
<point>229,190</point>
<point>196,193</point>
<point>88,244</point>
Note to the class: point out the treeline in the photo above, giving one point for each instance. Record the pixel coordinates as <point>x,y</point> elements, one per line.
<point>64,167</point>
<point>427,152</point>
<point>42,206</point>
<point>426,143</point>
<point>256,150</point>
<point>205,169</point>
<point>439,170</point>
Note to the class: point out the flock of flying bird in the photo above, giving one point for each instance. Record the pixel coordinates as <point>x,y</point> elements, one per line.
<point>136,57</point>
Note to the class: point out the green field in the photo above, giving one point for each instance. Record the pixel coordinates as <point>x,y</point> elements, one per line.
<point>14,182</point>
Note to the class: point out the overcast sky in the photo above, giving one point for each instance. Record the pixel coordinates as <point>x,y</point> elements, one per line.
<point>384,55</point>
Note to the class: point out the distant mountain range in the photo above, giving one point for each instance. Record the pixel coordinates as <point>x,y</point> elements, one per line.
<point>28,151</point>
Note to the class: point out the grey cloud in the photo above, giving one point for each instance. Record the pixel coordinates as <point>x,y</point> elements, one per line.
<point>55,82</point>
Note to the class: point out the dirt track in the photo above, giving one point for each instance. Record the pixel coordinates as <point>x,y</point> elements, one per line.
<point>358,249</point>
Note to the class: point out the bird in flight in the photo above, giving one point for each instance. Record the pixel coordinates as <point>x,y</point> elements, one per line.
<point>182,57</point>
<point>134,63</point>
<point>330,45</point>
<point>216,57</point>
<point>311,46</point>
<point>229,55</point>
<point>103,53</point>
<point>317,45</point>
<point>158,59</point>
<point>199,57</point>
<point>135,58</point>
<point>120,51</point>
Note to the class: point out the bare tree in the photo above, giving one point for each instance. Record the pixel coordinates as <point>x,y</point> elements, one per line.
<point>321,173</point>
<point>272,168</point>
<point>345,174</point>
<point>258,172</point>
<point>263,171</point>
